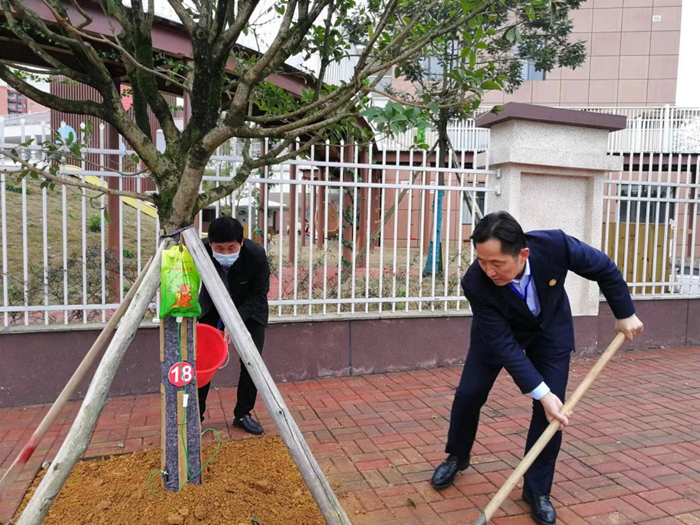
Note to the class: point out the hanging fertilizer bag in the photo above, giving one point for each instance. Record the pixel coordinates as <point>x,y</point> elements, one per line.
<point>179,284</point>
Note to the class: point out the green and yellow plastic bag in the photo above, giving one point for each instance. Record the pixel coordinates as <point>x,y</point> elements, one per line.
<point>179,284</point>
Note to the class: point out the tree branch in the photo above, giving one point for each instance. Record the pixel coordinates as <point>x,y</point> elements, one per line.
<point>383,67</point>
<point>416,46</point>
<point>292,154</point>
<point>79,107</point>
<point>137,30</point>
<point>32,44</point>
<point>253,75</point>
<point>269,159</point>
<point>291,40</point>
<point>221,16</point>
<point>224,131</point>
<point>397,41</point>
<point>85,53</point>
<point>73,183</point>
<point>118,117</point>
<point>287,39</point>
<point>415,104</point>
<point>184,16</point>
<point>326,55</point>
<point>38,23</point>
<point>31,69</point>
<point>226,41</point>
<point>301,111</point>
<point>383,21</point>
<point>88,18</point>
<point>129,57</point>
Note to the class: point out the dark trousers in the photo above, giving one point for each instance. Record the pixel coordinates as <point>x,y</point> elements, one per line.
<point>247,393</point>
<point>478,377</point>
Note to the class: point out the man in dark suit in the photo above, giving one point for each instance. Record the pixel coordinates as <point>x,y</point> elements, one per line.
<point>522,322</point>
<point>244,271</point>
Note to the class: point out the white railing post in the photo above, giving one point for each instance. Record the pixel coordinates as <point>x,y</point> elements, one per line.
<point>666,130</point>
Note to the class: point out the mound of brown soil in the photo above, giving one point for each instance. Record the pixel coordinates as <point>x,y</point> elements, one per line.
<point>253,481</point>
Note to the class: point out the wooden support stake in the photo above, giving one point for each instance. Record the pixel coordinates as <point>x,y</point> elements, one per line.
<point>79,435</point>
<point>308,467</point>
<point>97,347</point>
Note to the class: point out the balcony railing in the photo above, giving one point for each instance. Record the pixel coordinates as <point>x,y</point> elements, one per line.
<point>658,129</point>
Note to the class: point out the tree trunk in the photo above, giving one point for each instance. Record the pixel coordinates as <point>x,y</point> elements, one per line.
<point>181,454</point>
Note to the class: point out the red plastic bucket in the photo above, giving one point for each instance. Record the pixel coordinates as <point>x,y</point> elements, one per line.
<point>212,352</point>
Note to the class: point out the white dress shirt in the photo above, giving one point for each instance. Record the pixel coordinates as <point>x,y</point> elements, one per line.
<point>527,291</point>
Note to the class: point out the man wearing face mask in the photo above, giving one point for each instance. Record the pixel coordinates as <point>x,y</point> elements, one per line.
<point>244,271</point>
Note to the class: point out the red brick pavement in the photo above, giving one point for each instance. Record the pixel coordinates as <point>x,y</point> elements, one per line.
<point>631,455</point>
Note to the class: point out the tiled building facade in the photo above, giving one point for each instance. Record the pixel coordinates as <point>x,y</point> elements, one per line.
<point>633,48</point>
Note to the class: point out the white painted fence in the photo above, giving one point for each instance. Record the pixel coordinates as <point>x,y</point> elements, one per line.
<point>651,221</point>
<point>58,265</point>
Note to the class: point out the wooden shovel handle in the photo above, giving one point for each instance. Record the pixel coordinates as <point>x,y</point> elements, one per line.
<point>549,432</point>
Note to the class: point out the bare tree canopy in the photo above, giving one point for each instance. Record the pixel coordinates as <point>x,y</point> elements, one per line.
<point>231,90</point>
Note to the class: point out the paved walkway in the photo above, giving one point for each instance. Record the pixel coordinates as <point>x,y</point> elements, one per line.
<point>631,455</point>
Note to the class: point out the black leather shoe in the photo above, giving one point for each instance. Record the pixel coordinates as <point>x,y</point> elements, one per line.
<point>542,509</point>
<point>248,424</point>
<point>445,474</point>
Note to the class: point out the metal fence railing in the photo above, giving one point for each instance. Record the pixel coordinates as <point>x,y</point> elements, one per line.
<point>650,224</point>
<point>345,231</point>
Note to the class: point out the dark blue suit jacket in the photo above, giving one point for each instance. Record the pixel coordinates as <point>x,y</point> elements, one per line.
<point>503,325</point>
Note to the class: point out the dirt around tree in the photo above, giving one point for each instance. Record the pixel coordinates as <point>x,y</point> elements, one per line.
<point>253,481</point>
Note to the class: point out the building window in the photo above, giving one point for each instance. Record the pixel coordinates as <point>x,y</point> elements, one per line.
<point>647,209</point>
<point>530,72</point>
<point>433,68</point>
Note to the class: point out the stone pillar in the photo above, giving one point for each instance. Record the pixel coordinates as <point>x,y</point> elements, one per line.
<point>552,163</point>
